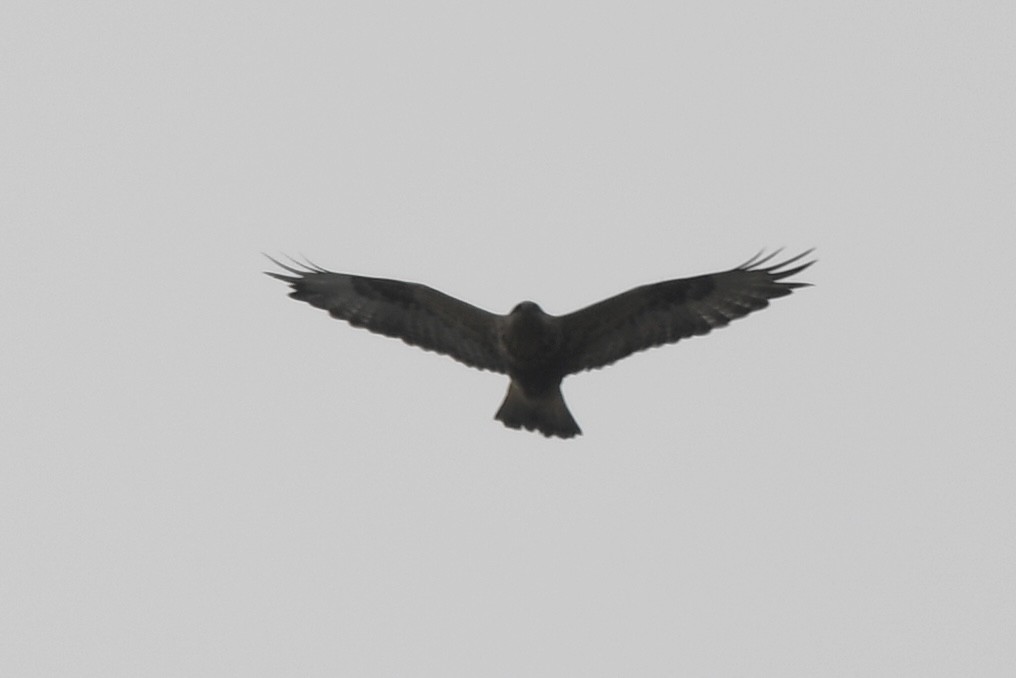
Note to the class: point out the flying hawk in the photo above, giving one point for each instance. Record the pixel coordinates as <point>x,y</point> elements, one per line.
<point>537,350</point>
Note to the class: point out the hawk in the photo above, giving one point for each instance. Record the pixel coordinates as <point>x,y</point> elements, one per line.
<point>535,349</point>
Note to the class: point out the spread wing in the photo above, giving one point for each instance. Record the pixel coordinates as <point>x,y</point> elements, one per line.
<point>417,314</point>
<point>662,313</point>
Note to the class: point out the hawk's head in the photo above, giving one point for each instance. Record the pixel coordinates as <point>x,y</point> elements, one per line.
<point>527,308</point>
<point>530,334</point>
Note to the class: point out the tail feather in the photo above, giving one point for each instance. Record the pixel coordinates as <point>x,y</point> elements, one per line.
<point>546,413</point>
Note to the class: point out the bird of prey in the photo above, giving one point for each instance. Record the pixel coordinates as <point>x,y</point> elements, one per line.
<point>537,350</point>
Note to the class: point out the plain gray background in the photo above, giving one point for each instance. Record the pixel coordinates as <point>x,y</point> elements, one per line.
<point>201,477</point>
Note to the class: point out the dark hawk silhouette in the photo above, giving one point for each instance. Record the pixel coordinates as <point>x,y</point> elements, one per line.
<point>535,349</point>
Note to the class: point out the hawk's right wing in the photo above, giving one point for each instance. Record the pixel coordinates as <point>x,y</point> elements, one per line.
<point>417,314</point>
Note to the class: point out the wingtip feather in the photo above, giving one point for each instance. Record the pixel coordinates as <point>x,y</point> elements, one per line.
<point>779,270</point>
<point>305,267</point>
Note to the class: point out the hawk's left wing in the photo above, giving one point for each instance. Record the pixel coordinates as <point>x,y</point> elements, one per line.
<point>662,313</point>
<point>417,314</point>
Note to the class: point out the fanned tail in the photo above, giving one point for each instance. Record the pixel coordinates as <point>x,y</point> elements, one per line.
<point>546,413</point>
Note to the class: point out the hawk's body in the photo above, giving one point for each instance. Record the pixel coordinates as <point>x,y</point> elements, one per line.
<point>537,350</point>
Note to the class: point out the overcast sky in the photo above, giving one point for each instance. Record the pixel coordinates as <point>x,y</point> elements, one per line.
<point>201,477</point>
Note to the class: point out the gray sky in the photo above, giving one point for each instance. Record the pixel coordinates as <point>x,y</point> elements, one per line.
<point>201,477</point>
